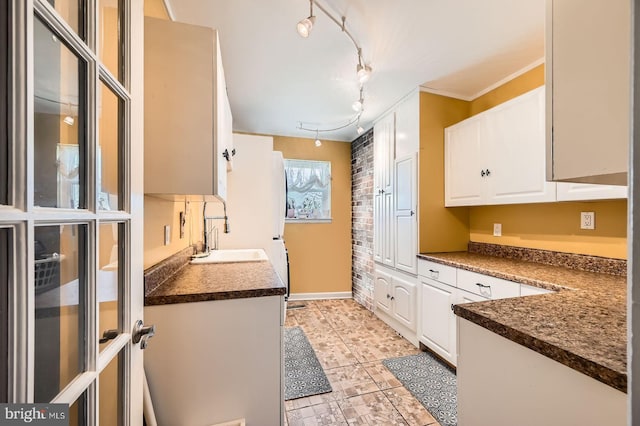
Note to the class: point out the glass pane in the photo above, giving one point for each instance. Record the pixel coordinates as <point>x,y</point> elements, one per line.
<point>108,281</point>
<point>4,107</point>
<point>109,148</point>
<point>60,299</point>
<point>72,13</point>
<point>78,412</point>
<point>110,35</point>
<point>110,394</point>
<point>5,277</point>
<point>308,189</point>
<point>59,124</point>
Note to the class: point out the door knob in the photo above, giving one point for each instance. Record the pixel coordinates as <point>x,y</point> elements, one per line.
<point>142,333</point>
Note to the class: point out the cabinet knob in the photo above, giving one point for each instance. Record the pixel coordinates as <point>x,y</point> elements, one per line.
<point>388,296</point>
<point>488,172</point>
<point>482,173</point>
<point>412,213</point>
<point>452,306</point>
<point>392,297</point>
<point>382,191</point>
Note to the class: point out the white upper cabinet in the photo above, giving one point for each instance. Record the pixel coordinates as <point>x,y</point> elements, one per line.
<point>497,157</point>
<point>464,170</point>
<point>569,191</point>
<point>408,126</point>
<point>188,123</point>
<point>515,135</point>
<point>588,65</point>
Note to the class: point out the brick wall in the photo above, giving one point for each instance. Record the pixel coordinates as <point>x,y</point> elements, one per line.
<point>362,219</point>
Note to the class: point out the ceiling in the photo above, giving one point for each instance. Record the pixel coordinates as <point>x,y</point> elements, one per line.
<point>277,79</point>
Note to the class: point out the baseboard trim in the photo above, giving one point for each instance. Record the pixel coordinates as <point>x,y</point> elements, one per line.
<point>318,296</point>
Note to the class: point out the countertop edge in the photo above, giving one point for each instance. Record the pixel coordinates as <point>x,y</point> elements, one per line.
<point>152,300</point>
<point>497,274</point>
<point>592,369</point>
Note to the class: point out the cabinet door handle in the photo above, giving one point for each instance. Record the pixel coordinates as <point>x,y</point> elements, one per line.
<point>392,297</point>
<point>412,212</point>
<point>452,307</point>
<point>482,173</point>
<point>488,172</point>
<point>483,285</point>
<point>382,191</point>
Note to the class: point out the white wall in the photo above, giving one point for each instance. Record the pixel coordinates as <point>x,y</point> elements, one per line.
<point>249,200</point>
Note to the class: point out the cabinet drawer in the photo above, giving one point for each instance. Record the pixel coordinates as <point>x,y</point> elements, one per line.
<point>436,271</point>
<point>486,286</point>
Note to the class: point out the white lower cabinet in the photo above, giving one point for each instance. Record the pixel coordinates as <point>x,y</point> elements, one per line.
<point>203,366</point>
<point>437,321</point>
<point>395,301</point>
<point>441,287</point>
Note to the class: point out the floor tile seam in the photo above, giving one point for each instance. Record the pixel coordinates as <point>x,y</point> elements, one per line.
<point>385,397</point>
<point>400,412</point>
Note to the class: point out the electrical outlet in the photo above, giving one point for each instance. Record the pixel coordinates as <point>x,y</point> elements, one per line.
<point>497,230</point>
<point>167,235</point>
<point>587,220</point>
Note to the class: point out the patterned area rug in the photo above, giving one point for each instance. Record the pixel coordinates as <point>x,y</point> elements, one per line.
<point>303,374</point>
<point>433,383</point>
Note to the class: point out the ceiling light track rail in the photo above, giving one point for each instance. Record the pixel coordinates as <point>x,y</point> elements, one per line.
<point>363,70</point>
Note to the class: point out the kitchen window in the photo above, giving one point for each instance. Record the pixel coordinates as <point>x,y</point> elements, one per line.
<point>308,190</point>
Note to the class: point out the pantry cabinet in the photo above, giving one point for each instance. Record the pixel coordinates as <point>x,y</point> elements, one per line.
<point>396,142</point>
<point>497,157</point>
<point>588,78</point>
<point>383,195</point>
<point>188,121</point>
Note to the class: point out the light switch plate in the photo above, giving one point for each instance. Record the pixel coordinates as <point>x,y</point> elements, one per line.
<point>167,235</point>
<point>587,220</point>
<point>497,230</point>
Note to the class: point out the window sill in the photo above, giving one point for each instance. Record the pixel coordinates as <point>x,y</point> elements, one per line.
<point>308,220</point>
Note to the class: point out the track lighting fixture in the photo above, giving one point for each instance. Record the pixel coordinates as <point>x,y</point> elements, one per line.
<point>359,104</point>
<point>318,142</point>
<point>69,120</point>
<point>363,70</point>
<point>305,26</point>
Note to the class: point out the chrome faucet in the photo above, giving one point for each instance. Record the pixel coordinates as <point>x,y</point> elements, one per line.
<point>214,229</point>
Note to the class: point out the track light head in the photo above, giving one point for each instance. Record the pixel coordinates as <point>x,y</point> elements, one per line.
<point>69,120</point>
<point>364,72</point>
<point>359,130</point>
<point>305,26</point>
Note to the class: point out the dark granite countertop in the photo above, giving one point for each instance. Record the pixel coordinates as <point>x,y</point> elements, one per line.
<point>217,281</point>
<point>583,325</point>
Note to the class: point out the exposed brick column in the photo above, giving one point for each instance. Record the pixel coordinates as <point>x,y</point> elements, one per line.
<point>362,219</point>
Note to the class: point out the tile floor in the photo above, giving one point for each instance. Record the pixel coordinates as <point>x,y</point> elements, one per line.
<point>350,342</point>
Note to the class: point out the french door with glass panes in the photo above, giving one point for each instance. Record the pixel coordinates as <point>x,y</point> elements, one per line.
<point>70,206</point>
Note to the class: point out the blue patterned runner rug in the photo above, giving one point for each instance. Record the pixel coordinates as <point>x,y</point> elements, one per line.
<point>433,383</point>
<point>303,374</point>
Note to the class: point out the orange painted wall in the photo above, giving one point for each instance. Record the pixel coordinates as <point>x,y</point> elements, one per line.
<point>320,253</point>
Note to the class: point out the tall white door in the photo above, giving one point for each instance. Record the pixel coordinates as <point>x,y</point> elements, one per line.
<point>406,223</point>
<point>71,191</point>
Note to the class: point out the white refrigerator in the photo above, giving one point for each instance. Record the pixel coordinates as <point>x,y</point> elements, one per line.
<point>279,254</point>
